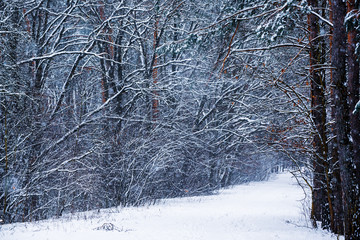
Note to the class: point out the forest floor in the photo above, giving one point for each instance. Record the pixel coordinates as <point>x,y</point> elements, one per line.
<point>269,210</point>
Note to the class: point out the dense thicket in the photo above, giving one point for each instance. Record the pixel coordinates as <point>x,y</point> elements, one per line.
<point>107,103</point>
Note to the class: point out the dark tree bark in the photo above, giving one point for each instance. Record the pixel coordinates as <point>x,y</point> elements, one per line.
<point>353,98</point>
<point>353,85</point>
<point>335,180</point>
<point>318,115</point>
<point>341,110</point>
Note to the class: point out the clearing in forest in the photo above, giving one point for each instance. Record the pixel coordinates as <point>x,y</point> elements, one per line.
<point>256,211</point>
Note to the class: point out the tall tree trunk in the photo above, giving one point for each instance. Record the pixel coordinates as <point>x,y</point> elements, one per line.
<point>336,191</point>
<point>318,115</point>
<point>155,101</point>
<point>6,168</point>
<point>341,109</point>
<point>353,98</point>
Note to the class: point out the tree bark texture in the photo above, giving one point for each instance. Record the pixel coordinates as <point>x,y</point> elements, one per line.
<point>341,109</point>
<point>353,98</point>
<point>318,115</point>
<point>335,179</point>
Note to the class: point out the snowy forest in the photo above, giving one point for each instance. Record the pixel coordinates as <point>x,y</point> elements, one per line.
<point>124,102</point>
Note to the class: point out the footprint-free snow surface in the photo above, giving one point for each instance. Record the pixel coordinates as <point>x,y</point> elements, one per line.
<point>256,211</point>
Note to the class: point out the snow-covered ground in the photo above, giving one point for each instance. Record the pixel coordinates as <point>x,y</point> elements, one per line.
<point>256,211</point>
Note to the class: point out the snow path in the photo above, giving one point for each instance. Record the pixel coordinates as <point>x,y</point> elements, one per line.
<point>256,211</point>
